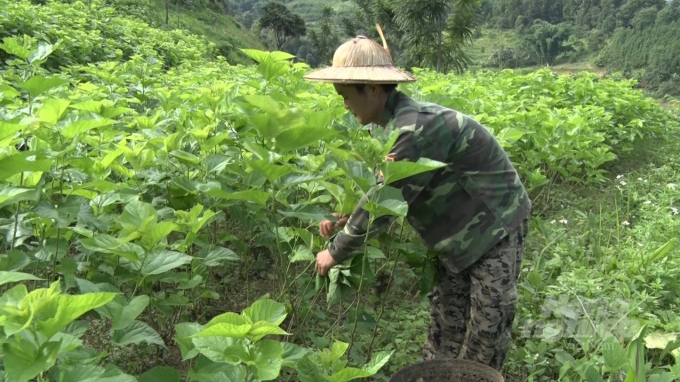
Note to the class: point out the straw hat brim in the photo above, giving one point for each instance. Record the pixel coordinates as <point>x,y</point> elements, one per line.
<point>361,75</point>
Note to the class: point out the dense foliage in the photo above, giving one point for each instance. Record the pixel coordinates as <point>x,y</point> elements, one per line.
<point>147,196</point>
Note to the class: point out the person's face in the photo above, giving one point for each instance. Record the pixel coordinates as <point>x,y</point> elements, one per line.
<point>366,106</point>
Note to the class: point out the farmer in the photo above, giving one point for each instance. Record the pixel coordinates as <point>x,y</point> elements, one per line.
<point>473,213</point>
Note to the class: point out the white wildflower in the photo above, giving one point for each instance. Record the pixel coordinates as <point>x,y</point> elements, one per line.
<point>553,221</point>
<point>640,179</point>
<point>626,223</point>
<point>619,176</point>
<point>648,202</point>
<point>564,221</point>
<point>672,186</point>
<point>675,210</point>
<point>623,183</point>
<point>640,245</point>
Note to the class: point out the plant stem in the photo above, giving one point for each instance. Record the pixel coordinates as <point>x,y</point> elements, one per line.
<point>16,215</point>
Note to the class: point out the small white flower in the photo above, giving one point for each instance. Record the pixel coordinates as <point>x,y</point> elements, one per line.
<point>640,179</point>
<point>672,186</point>
<point>675,210</point>
<point>619,176</point>
<point>640,245</point>
<point>553,221</point>
<point>626,223</point>
<point>648,202</point>
<point>564,221</point>
<point>623,183</point>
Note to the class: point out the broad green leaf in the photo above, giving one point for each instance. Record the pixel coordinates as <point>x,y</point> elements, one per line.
<point>157,232</point>
<point>84,125</point>
<point>66,308</point>
<point>83,373</point>
<point>394,171</point>
<point>387,201</point>
<point>347,374</point>
<point>161,374</point>
<point>11,277</point>
<point>130,312</point>
<point>53,110</point>
<point>11,45</point>
<point>312,213</point>
<point>337,350</point>
<point>135,213</point>
<point>20,162</point>
<point>263,328</point>
<point>91,106</point>
<point>271,171</point>
<point>11,195</point>
<point>614,354</point>
<point>184,332</point>
<point>661,252</point>
<point>38,85</point>
<point>374,253</point>
<point>292,353</point>
<point>109,244</point>
<point>215,349</point>
<point>255,196</point>
<point>309,370</point>
<point>301,253</point>
<point>659,340</point>
<point>216,163</point>
<point>162,261</point>
<point>23,363</point>
<point>227,318</point>
<point>225,330</point>
<point>299,137</point>
<point>9,129</point>
<point>44,49</point>
<point>218,256</point>
<point>266,103</point>
<point>256,55</point>
<point>509,135</point>
<point>268,359</point>
<point>186,157</point>
<point>378,360</point>
<point>266,310</point>
<point>136,333</point>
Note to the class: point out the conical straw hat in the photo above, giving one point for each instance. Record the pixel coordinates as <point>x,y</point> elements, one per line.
<point>360,61</point>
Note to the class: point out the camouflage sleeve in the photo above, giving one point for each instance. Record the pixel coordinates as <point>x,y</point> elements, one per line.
<point>356,231</point>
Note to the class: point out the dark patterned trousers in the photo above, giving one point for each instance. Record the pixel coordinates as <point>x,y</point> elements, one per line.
<point>472,311</point>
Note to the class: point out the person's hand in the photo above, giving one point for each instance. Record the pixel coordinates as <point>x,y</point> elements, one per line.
<point>327,227</point>
<point>324,262</point>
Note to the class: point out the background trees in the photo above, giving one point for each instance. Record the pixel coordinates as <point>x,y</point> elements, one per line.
<point>284,23</point>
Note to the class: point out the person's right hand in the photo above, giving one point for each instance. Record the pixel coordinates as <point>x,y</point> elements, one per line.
<point>327,227</point>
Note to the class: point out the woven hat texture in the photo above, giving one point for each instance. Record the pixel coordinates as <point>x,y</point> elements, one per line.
<point>360,61</point>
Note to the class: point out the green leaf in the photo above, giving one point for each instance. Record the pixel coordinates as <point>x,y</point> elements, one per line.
<point>185,157</point>
<point>347,374</point>
<point>661,252</point>
<point>387,201</point>
<point>23,363</point>
<point>337,350</point>
<point>157,232</point>
<point>20,162</point>
<point>136,333</point>
<point>292,353</point>
<point>84,125</point>
<point>44,50</point>
<point>37,85</point>
<point>378,361</point>
<point>184,332</point>
<point>109,244</point>
<point>66,308</point>
<point>91,106</point>
<point>301,253</point>
<point>268,359</point>
<point>11,277</point>
<point>227,318</point>
<point>299,137</point>
<point>394,171</point>
<point>305,212</point>
<point>255,196</point>
<point>224,330</point>
<point>162,261</point>
<point>83,373</point>
<point>130,312</point>
<point>9,129</point>
<point>11,45</point>
<point>53,110</point>
<point>217,256</point>
<point>271,171</point>
<point>11,195</point>
<point>374,253</point>
<point>614,354</point>
<point>263,328</point>
<point>308,370</point>
<point>266,310</point>
<point>216,349</point>
<point>114,374</point>
<point>161,374</point>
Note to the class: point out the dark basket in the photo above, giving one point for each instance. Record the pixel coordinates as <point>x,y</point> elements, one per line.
<point>447,370</point>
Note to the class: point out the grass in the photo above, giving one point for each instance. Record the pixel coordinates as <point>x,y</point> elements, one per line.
<point>223,30</point>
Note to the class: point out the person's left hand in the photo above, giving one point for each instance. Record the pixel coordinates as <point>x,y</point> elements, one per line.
<point>324,262</point>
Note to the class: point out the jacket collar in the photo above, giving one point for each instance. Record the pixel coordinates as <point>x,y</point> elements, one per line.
<point>390,107</point>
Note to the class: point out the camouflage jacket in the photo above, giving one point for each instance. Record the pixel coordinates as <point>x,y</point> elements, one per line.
<point>459,211</point>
